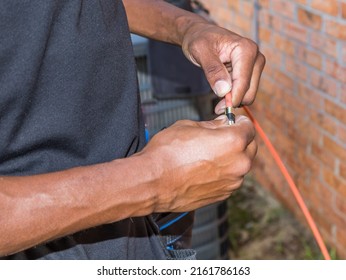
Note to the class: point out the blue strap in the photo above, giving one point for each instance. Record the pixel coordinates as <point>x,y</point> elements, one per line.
<point>171,222</point>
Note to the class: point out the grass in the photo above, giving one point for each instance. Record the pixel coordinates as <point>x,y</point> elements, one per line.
<point>261,228</point>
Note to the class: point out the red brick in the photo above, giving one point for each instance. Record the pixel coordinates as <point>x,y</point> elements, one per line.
<point>266,86</point>
<point>341,239</point>
<point>327,85</point>
<point>247,9</point>
<point>275,120</point>
<point>323,191</point>
<point>283,7</point>
<point>334,69</point>
<point>335,110</point>
<point>342,93</point>
<point>343,10</point>
<point>300,1</point>
<point>342,133</point>
<point>324,44</point>
<point>309,19</point>
<point>326,6</point>
<point>337,220</point>
<point>311,198</point>
<point>265,34</point>
<point>284,80</point>
<point>272,21</point>
<point>224,19</point>
<point>336,149</point>
<point>342,170</point>
<point>334,181</point>
<point>322,155</point>
<point>243,23</point>
<point>314,134</point>
<point>275,59</point>
<point>310,161</point>
<point>283,44</point>
<point>335,29</point>
<point>295,31</point>
<point>310,96</point>
<point>234,5</point>
<point>289,116</point>
<point>293,102</point>
<point>296,68</point>
<point>311,57</point>
<point>264,3</point>
<point>323,121</point>
<point>301,138</point>
<point>340,203</point>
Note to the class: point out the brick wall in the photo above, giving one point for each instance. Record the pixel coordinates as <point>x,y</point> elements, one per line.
<point>301,102</point>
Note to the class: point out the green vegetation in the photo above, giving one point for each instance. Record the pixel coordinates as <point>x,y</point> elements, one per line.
<point>261,228</point>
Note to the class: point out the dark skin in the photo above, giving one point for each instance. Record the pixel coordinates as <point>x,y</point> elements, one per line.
<point>184,167</point>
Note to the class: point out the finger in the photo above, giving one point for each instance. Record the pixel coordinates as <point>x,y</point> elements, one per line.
<point>251,150</point>
<point>255,79</point>
<point>220,121</point>
<point>220,107</point>
<point>216,74</point>
<point>243,60</point>
<point>245,132</point>
<point>244,160</point>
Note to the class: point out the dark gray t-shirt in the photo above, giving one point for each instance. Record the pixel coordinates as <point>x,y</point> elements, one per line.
<point>69,97</point>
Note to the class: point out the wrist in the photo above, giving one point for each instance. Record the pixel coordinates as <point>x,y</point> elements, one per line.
<point>186,25</point>
<point>143,176</point>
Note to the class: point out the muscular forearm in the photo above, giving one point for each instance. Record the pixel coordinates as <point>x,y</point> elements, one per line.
<point>184,167</point>
<point>159,20</point>
<point>35,209</point>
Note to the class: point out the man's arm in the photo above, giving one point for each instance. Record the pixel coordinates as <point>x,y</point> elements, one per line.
<point>34,209</point>
<point>184,167</point>
<point>230,62</point>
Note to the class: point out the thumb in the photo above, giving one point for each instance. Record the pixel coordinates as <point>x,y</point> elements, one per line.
<point>220,121</point>
<point>217,75</point>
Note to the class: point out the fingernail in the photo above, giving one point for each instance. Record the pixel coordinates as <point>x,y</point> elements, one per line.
<point>221,88</point>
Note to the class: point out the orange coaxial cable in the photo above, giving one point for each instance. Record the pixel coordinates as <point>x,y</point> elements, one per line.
<point>292,185</point>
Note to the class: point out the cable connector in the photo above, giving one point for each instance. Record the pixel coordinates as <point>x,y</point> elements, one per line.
<point>230,115</point>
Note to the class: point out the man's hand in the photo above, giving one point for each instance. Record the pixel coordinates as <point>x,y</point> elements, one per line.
<point>198,163</point>
<point>230,62</point>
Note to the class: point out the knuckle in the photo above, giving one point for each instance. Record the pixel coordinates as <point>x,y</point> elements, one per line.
<point>247,164</point>
<point>249,45</point>
<point>249,98</point>
<point>262,60</point>
<point>241,143</point>
<point>182,123</point>
<point>244,165</point>
<point>213,69</point>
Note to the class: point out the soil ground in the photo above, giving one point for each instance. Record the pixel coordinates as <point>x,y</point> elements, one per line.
<point>260,228</point>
